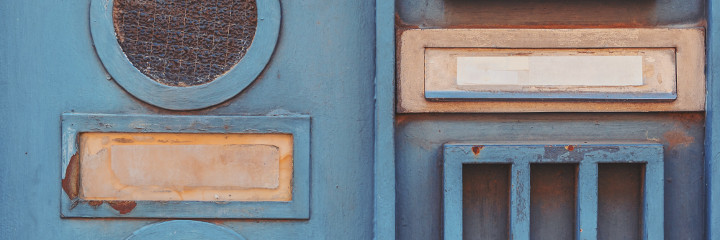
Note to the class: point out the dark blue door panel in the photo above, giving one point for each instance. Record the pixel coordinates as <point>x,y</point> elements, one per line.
<point>421,137</point>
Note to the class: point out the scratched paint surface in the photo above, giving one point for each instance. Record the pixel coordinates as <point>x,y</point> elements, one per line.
<point>186,167</point>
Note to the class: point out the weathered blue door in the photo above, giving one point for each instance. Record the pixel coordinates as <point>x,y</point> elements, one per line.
<point>247,119</point>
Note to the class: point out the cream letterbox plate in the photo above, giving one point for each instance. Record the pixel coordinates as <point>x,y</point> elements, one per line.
<point>551,70</point>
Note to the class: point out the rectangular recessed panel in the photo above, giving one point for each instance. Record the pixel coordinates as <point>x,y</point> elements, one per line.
<point>552,201</point>
<point>486,198</point>
<point>550,70</point>
<point>483,73</point>
<point>189,167</point>
<point>620,201</point>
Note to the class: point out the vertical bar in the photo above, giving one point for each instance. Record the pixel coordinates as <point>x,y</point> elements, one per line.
<point>452,198</point>
<point>653,206</point>
<point>587,200</point>
<point>712,125</point>
<point>384,149</point>
<point>520,201</point>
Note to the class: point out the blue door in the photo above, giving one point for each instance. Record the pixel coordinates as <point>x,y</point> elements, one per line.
<point>321,119</point>
<point>249,119</point>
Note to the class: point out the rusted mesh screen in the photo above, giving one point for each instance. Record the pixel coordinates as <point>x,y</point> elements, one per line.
<point>184,42</point>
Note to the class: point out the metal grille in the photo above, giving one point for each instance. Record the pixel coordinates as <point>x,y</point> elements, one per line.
<point>184,42</point>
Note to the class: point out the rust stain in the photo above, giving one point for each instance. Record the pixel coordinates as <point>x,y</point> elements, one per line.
<point>676,138</point>
<point>123,140</point>
<point>123,207</point>
<point>95,203</point>
<point>570,147</point>
<point>476,149</point>
<point>71,182</point>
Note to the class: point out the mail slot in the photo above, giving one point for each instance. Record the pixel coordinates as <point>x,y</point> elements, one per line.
<point>551,70</point>
<point>580,74</point>
<point>185,167</point>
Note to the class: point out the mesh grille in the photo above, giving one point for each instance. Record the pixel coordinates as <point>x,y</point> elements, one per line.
<point>184,42</point>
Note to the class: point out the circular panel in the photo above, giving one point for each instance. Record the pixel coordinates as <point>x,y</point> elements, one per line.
<point>184,42</point>
<point>184,230</point>
<point>190,92</point>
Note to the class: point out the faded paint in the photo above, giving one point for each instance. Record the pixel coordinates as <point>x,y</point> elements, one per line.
<point>189,167</point>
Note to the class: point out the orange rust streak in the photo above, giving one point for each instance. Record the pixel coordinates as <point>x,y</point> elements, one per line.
<point>123,207</point>
<point>71,182</point>
<point>677,138</point>
<point>476,149</point>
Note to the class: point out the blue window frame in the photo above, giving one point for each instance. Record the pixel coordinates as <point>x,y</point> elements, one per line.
<point>520,156</point>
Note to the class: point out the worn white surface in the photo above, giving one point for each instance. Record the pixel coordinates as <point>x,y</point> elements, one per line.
<point>550,70</point>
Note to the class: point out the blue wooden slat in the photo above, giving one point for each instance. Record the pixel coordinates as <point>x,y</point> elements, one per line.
<point>384,155</point>
<point>712,135</point>
<point>587,201</point>
<point>452,199</point>
<point>520,200</point>
<point>654,204</point>
<point>298,126</point>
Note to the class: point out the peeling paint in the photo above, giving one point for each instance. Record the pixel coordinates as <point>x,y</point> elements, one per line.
<point>71,182</point>
<point>123,207</point>
<point>476,149</point>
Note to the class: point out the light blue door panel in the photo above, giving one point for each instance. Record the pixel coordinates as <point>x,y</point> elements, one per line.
<point>322,67</point>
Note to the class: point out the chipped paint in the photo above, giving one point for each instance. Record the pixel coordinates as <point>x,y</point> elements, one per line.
<point>123,207</point>
<point>71,183</point>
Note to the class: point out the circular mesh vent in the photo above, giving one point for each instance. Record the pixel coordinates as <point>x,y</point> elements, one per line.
<point>184,42</point>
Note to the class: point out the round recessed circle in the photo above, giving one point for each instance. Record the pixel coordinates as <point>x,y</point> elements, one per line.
<point>184,42</point>
<point>184,229</point>
<point>215,75</point>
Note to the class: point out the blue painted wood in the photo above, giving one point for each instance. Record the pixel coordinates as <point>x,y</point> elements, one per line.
<point>587,201</point>
<point>184,230</point>
<point>299,126</point>
<point>520,199</point>
<point>654,200</point>
<point>184,98</point>
<point>465,95</point>
<point>452,199</point>
<point>384,129</point>
<point>712,118</point>
<point>323,67</point>
<point>521,155</point>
